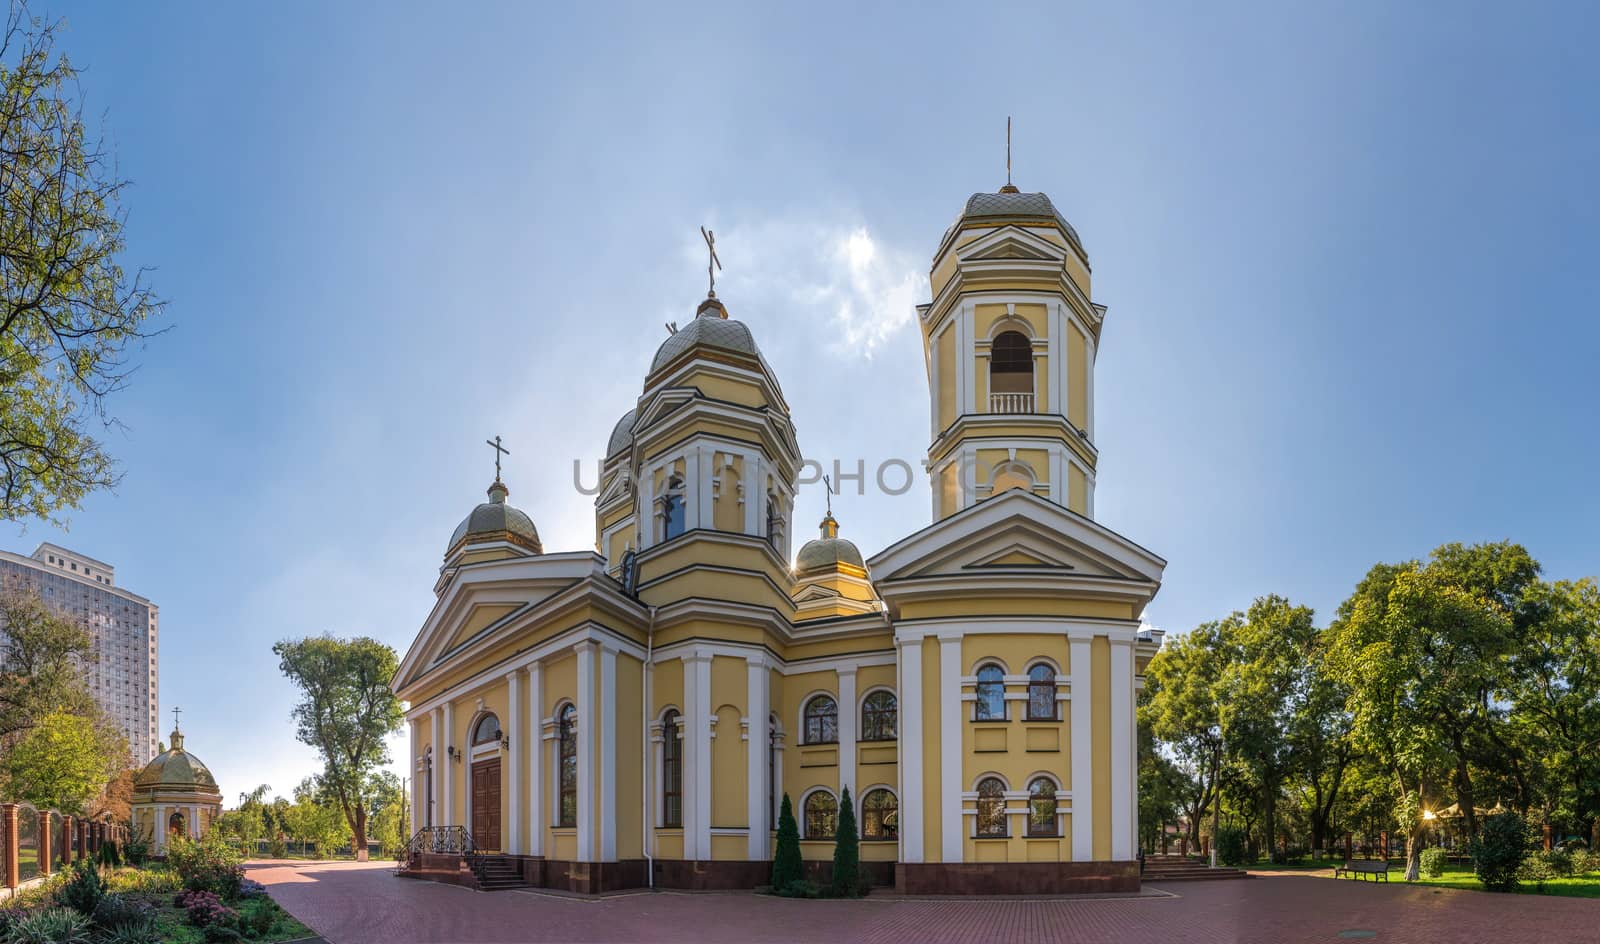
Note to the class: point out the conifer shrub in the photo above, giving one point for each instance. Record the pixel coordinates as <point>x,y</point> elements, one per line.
<point>1501,845</point>
<point>786,864</point>
<point>846,851</point>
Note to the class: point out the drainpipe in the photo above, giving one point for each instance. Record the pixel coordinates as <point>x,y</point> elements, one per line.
<point>644,768</point>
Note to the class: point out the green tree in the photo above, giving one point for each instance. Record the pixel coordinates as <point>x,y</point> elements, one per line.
<point>1421,650</point>
<point>347,713</point>
<point>69,313</point>
<point>64,762</point>
<point>1181,711</point>
<point>386,818</point>
<point>786,864</point>
<point>846,850</point>
<point>41,657</point>
<point>316,817</point>
<point>1162,787</point>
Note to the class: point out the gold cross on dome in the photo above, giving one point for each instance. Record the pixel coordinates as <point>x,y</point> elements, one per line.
<point>711,274</point>
<point>175,712</point>
<point>498,451</point>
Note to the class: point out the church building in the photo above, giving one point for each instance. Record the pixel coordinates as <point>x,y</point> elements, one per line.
<point>633,714</point>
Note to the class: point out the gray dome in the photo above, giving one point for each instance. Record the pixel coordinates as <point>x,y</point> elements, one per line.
<point>711,328</point>
<point>621,434</point>
<point>175,769</point>
<point>1007,205</point>
<point>494,520</point>
<point>828,551</point>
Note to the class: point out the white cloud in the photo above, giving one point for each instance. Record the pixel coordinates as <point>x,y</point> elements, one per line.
<point>835,268</point>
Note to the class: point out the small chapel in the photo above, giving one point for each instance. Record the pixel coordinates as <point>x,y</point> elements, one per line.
<point>174,795</point>
<point>633,713</point>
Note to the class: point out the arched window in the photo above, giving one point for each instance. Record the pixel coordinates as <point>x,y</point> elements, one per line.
<point>879,717</point>
<point>822,720</point>
<point>1008,475</point>
<point>672,509</point>
<point>1042,807</point>
<point>822,815</point>
<point>487,730</point>
<point>1042,693</point>
<point>991,807</point>
<point>1011,373</point>
<point>774,521</point>
<point>567,767</point>
<point>880,815</point>
<point>991,694</point>
<point>671,772</point>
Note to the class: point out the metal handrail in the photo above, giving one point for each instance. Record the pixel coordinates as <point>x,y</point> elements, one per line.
<point>439,840</point>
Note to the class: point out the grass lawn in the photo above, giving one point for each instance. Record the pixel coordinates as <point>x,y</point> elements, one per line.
<point>1455,876</point>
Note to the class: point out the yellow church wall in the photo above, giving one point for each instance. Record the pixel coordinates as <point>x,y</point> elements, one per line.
<point>821,648</point>
<point>1077,377</point>
<point>621,540</point>
<point>630,747</point>
<point>1100,725</point>
<point>985,316</point>
<point>947,377</point>
<point>727,510</point>
<point>729,693</point>
<point>621,511</point>
<point>478,618</point>
<point>669,844</point>
<point>980,382</point>
<point>1042,428</point>
<point>486,554</point>
<point>950,489</point>
<point>932,762</point>
<point>742,587</point>
<point>732,555</point>
<point>722,388</point>
<point>666,685</point>
<point>1077,490</point>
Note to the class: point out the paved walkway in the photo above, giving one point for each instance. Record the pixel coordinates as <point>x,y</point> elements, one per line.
<point>350,903</point>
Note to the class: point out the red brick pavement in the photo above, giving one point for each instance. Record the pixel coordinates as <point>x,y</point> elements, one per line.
<point>357,904</point>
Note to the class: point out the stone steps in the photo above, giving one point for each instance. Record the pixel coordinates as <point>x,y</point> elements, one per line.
<point>495,874</point>
<point>1178,869</point>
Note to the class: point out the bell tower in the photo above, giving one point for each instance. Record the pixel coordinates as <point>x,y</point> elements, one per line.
<point>1009,340</point>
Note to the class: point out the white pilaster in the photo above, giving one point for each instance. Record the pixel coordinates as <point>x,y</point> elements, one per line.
<point>608,754</point>
<point>910,750</point>
<point>448,819</point>
<point>435,817</point>
<point>705,515</point>
<point>849,719</point>
<point>693,494</point>
<point>536,749</point>
<point>194,821</point>
<point>933,387</point>
<point>756,708</point>
<point>1078,671</point>
<point>1088,366</point>
<point>1056,364</point>
<point>1124,809</point>
<point>755,502</point>
<point>160,830</point>
<point>515,732</point>
<point>416,782</point>
<point>697,757</point>
<point>645,513</point>
<point>951,731</point>
<point>587,729</point>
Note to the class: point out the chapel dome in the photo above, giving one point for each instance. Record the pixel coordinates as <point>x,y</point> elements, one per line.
<point>711,327</point>
<point>175,769</point>
<point>621,434</point>
<point>1012,205</point>
<point>827,552</point>
<point>494,520</point>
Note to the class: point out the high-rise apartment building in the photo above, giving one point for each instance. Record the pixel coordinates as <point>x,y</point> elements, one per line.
<point>124,627</point>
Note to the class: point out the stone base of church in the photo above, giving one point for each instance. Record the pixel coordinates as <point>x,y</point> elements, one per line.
<point>586,878</point>
<point>1015,878</point>
<point>745,873</point>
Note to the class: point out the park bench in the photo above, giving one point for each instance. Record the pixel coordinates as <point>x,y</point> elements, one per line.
<point>1355,868</point>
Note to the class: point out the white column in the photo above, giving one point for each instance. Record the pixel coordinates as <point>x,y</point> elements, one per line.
<point>536,759</point>
<point>514,735</point>
<point>1124,809</point>
<point>194,821</point>
<point>692,493</point>
<point>697,757</point>
<point>416,782</point>
<point>608,753</point>
<point>1056,364</point>
<point>587,745</point>
<point>438,770</point>
<point>160,830</point>
<point>1082,753</point>
<point>646,512</point>
<point>849,721</point>
<point>756,708</point>
<point>910,750</point>
<point>755,497</point>
<point>951,731</point>
<point>704,512</point>
<point>1088,366</point>
<point>449,815</point>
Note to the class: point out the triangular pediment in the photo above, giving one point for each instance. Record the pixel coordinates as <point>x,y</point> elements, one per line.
<point>663,402</point>
<point>1011,242</point>
<point>816,592</point>
<point>1016,531</point>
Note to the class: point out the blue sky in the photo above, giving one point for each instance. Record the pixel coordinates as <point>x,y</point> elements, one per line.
<point>1349,255</point>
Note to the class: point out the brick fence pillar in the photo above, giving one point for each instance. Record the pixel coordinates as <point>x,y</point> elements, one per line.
<point>46,825</point>
<point>8,836</point>
<point>66,839</point>
<point>82,837</point>
<point>1547,842</point>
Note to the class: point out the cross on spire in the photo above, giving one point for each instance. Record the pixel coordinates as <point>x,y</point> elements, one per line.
<point>828,488</point>
<point>499,450</point>
<point>1009,187</point>
<point>175,712</point>
<point>711,248</point>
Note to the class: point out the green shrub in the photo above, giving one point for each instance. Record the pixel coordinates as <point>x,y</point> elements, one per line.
<point>1230,846</point>
<point>54,926</point>
<point>800,888</point>
<point>1433,862</point>
<point>1499,849</point>
<point>1585,861</point>
<point>83,891</point>
<point>159,881</point>
<point>136,850</point>
<point>786,864</point>
<point>211,865</point>
<point>846,881</point>
<point>146,930</point>
<point>278,849</point>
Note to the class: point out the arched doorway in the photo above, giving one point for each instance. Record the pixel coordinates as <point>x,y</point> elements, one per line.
<point>486,738</point>
<point>177,825</point>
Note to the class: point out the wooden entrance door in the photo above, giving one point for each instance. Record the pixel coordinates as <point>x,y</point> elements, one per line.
<point>486,804</point>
